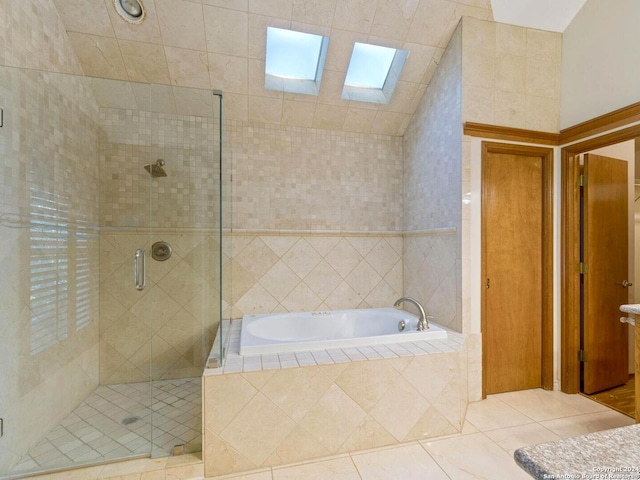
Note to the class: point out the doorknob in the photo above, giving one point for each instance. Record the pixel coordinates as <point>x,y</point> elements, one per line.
<point>626,284</point>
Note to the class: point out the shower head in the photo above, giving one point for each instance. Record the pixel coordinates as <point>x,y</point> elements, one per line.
<point>156,170</point>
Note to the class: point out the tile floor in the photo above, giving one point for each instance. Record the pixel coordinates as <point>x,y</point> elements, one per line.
<point>494,428</point>
<point>114,422</point>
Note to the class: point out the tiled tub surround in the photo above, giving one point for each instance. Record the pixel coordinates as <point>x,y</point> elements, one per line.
<point>430,274</point>
<point>172,322</point>
<point>280,271</point>
<point>271,410</point>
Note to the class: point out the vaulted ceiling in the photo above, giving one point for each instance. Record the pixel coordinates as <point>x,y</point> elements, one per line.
<point>220,44</point>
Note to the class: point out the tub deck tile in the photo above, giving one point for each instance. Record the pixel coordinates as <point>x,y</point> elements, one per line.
<point>236,363</point>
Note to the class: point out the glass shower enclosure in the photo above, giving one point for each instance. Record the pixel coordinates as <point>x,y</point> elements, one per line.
<point>111,227</point>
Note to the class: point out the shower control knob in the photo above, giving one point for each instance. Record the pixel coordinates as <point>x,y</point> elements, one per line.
<point>161,251</point>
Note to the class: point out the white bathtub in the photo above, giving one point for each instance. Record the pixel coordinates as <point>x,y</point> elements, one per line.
<point>294,332</point>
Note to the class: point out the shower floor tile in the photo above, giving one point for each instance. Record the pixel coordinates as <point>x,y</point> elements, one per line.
<point>115,422</point>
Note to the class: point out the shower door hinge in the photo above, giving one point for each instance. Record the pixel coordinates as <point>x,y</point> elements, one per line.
<point>1,118</point>
<point>582,180</point>
<point>582,267</point>
<point>1,427</point>
<point>582,356</point>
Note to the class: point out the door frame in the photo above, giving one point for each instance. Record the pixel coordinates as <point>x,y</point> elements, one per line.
<point>570,251</point>
<point>546,154</point>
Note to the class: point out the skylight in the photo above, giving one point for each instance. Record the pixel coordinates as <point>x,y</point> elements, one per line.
<point>295,61</point>
<point>373,73</point>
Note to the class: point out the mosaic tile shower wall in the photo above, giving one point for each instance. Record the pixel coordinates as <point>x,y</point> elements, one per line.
<point>432,192</point>
<point>32,35</point>
<point>290,178</point>
<point>48,226</point>
<point>186,197</point>
<point>173,321</point>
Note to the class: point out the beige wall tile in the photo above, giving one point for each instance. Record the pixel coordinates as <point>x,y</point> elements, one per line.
<point>225,396</point>
<point>359,120</point>
<point>543,79</point>
<point>479,105</point>
<point>262,109</point>
<point>272,8</point>
<point>99,56</point>
<point>353,15</point>
<point>219,24</point>
<point>258,429</point>
<point>544,46</point>
<point>393,18</point>
<point>543,114</point>
<point>241,5</point>
<point>188,68</point>
<point>388,122</point>
<point>88,16</point>
<point>228,73</point>
<point>400,421</point>
<point>298,114</point>
<point>313,12</point>
<point>366,382</point>
<point>369,434</point>
<point>330,117</point>
<point>511,39</point>
<point>296,391</point>
<point>181,24</point>
<point>236,106</point>
<point>299,445</point>
<point>510,74</point>
<point>332,418</point>
<point>430,22</point>
<point>511,109</point>
<point>145,62</point>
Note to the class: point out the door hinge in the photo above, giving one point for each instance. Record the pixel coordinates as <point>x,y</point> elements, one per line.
<point>582,180</point>
<point>582,356</point>
<point>582,268</point>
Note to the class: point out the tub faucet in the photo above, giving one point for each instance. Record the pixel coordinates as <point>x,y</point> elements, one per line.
<point>423,324</point>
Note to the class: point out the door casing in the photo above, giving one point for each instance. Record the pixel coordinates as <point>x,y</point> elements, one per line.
<point>570,251</point>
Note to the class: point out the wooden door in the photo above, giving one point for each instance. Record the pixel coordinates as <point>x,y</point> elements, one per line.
<point>512,218</point>
<point>605,252</point>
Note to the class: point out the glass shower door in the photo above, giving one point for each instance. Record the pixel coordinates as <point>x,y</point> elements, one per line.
<point>183,262</point>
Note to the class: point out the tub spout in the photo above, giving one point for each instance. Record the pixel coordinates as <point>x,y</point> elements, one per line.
<point>423,324</point>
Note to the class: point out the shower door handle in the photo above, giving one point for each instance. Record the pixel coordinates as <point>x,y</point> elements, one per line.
<point>138,269</point>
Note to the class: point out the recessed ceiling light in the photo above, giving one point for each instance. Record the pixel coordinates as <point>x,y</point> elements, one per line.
<point>373,73</point>
<point>294,61</point>
<point>130,10</point>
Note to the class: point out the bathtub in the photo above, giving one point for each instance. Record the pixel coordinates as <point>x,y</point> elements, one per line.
<point>294,332</point>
